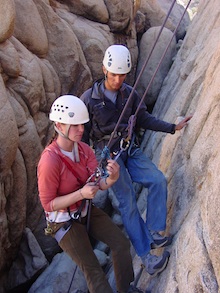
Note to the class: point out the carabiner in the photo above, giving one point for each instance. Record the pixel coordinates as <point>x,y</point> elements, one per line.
<point>126,142</point>
<point>76,216</point>
<point>97,175</point>
<point>122,148</point>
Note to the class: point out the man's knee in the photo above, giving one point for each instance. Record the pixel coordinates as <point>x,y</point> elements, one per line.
<point>159,178</point>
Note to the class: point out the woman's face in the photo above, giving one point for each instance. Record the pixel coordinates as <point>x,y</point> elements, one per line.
<point>76,132</point>
<point>73,132</point>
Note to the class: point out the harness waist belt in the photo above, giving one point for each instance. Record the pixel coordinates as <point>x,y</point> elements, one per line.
<point>63,230</point>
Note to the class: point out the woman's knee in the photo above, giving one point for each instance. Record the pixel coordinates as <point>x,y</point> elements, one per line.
<point>123,244</point>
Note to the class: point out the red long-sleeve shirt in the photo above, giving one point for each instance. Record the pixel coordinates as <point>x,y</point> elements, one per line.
<point>56,179</point>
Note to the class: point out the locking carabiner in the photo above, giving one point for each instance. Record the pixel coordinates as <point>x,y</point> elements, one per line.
<point>124,145</point>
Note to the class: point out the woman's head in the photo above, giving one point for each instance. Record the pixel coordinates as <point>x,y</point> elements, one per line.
<point>67,111</point>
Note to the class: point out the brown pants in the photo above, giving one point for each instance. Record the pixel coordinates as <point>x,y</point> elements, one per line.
<point>77,245</point>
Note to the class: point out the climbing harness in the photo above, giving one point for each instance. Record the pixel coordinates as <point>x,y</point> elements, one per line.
<point>58,231</point>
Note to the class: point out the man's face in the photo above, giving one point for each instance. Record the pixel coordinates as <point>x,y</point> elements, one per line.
<point>113,81</point>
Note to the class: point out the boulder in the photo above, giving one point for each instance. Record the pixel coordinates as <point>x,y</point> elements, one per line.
<point>157,65</point>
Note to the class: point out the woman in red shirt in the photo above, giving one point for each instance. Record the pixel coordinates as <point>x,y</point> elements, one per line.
<point>64,189</point>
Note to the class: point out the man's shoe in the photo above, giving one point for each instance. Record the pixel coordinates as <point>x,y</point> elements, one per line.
<point>160,241</point>
<point>155,264</point>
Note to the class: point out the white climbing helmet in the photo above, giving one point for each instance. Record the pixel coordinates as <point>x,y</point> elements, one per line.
<point>117,59</point>
<point>70,110</point>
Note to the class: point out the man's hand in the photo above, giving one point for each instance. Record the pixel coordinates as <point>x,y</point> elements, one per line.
<point>183,123</point>
<point>113,170</point>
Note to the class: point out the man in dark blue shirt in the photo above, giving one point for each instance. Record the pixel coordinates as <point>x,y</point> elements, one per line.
<point>105,102</point>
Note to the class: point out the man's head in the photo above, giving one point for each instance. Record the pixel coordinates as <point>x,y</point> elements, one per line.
<point>116,64</point>
<point>68,110</point>
<point>117,59</point>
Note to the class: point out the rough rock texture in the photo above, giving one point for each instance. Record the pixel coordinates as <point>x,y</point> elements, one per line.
<point>190,159</point>
<point>150,80</point>
<point>7,16</point>
<point>32,256</point>
<point>49,48</point>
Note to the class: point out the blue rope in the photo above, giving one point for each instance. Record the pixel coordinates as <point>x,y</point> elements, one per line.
<point>105,153</point>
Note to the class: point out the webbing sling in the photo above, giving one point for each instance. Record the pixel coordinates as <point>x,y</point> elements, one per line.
<point>76,216</point>
<point>78,212</point>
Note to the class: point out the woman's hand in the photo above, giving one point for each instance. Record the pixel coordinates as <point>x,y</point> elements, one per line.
<point>89,190</point>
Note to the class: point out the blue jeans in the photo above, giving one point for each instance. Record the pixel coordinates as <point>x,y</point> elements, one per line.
<point>137,167</point>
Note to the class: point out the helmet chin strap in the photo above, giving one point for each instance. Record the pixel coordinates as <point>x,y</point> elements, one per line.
<point>65,135</point>
<point>75,144</point>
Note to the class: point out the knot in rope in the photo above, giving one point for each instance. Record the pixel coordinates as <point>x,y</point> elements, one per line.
<point>105,155</point>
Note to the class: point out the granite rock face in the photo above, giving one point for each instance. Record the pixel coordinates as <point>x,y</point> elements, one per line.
<point>50,48</point>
